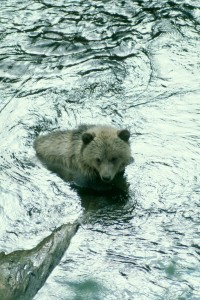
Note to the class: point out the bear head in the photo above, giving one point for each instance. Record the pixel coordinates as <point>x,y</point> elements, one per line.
<point>106,150</point>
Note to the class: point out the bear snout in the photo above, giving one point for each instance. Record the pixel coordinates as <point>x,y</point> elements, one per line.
<point>106,171</point>
<point>106,178</point>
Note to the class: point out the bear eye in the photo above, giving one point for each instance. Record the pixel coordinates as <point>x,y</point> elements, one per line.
<point>98,161</point>
<point>113,159</point>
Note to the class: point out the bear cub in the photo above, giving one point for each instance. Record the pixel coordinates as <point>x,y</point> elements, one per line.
<point>90,151</point>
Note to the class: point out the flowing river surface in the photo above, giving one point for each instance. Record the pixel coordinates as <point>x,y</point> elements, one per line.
<point>133,64</point>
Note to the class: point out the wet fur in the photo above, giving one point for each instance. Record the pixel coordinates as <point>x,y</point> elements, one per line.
<point>77,150</point>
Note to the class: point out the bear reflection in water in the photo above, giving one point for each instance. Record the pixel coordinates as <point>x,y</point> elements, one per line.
<point>91,156</point>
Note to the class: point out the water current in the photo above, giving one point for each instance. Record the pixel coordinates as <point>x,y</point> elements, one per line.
<point>133,64</point>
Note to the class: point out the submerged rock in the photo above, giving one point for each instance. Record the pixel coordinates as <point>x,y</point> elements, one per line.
<point>23,272</point>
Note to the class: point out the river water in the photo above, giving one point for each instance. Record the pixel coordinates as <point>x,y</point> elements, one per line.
<point>133,64</point>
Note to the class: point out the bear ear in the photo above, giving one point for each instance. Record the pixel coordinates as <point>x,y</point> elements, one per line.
<point>87,137</point>
<point>124,134</point>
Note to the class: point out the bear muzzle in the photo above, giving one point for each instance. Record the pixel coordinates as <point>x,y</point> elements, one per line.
<point>106,178</point>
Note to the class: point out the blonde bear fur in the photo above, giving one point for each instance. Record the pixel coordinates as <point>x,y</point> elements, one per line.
<point>89,150</point>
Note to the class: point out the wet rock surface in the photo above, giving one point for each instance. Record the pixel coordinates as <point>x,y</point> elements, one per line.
<point>133,64</point>
<point>23,272</point>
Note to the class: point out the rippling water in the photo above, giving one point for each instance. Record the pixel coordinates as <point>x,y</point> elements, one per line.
<point>134,64</point>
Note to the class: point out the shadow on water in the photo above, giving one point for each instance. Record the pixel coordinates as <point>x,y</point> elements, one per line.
<point>94,200</point>
<point>106,208</point>
<point>89,289</point>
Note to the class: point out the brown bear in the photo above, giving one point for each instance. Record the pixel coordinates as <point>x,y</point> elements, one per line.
<point>90,151</point>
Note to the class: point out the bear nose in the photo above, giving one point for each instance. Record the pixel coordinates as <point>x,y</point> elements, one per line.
<point>106,178</point>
